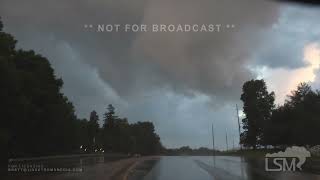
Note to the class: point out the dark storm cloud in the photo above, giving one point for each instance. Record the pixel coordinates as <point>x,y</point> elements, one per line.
<point>302,2</point>
<point>212,64</point>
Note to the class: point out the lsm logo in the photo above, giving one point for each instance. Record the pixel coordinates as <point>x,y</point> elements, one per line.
<point>289,160</point>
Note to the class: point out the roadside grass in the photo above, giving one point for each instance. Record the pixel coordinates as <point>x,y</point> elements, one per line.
<point>257,153</point>
<point>249,153</point>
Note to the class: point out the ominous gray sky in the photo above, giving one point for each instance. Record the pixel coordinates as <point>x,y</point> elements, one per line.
<point>180,81</point>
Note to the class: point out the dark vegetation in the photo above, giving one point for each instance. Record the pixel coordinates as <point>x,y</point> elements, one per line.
<point>187,151</point>
<point>117,135</point>
<point>296,122</point>
<point>37,119</point>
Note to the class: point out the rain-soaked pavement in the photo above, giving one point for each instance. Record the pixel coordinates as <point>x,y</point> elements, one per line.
<point>220,168</point>
<point>166,168</point>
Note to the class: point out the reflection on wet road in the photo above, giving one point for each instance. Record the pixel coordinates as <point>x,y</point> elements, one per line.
<point>220,168</point>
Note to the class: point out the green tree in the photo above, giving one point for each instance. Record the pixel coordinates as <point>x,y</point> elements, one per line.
<point>297,121</point>
<point>37,119</point>
<point>258,104</point>
<point>146,140</point>
<point>109,117</point>
<point>93,130</point>
<point>82,136</point>
<point>109,130</point>
<point>121,134</point>
<point>9,89</point>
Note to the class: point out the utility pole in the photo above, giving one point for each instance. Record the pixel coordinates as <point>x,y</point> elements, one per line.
<point>212,138</point>
<point>213,148</point>
<point>227,140</point>
<point>239,128</point>
<point>233,142</point>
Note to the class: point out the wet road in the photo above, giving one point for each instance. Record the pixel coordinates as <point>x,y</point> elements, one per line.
<point>91,167</point>
<point>220,168</point>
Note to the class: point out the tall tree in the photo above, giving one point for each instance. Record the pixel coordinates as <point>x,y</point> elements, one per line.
<point>258,104</point>
<point>93,129</point>
<point>109,117</point>
<point>146,140</point>
<point>306,122</point>
<point>109,131</point>
<point>302,116</point>
<point>36,117</point>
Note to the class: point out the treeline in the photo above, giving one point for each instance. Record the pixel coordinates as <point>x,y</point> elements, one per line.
<point>117,135</point>
<point>296,122</point>
<point>186,150</point>
<point>37,119</point>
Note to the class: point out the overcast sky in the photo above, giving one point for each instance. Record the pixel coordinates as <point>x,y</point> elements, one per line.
<point>182,82</point>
